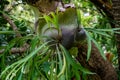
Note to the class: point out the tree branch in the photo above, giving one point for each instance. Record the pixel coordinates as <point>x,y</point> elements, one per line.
<point>17,50</point>
<point>14,27</point>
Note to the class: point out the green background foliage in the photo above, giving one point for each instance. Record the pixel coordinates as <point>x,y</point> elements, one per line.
<point>39,61</point>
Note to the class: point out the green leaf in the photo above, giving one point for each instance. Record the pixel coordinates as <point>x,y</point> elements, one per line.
<point>18,63</point>
<point>7,32</point>
<point>76,66</point>
<point>89,49</point>
<point>100,31</point>
<point>89,45</point>
<point>68,18</point>
<point>99,48</point>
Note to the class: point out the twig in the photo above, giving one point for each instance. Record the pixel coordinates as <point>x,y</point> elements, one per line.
<point>14,27</point>
<point>17,50</point>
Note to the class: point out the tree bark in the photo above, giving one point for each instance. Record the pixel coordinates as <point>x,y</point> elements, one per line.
<point>103,68</point>
<point>116,14</point>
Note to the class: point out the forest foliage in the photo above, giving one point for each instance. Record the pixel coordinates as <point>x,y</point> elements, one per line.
<point>25,56</point>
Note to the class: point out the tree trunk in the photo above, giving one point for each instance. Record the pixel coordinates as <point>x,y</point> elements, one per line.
<point>116,14</point>
<point>103,68</point>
